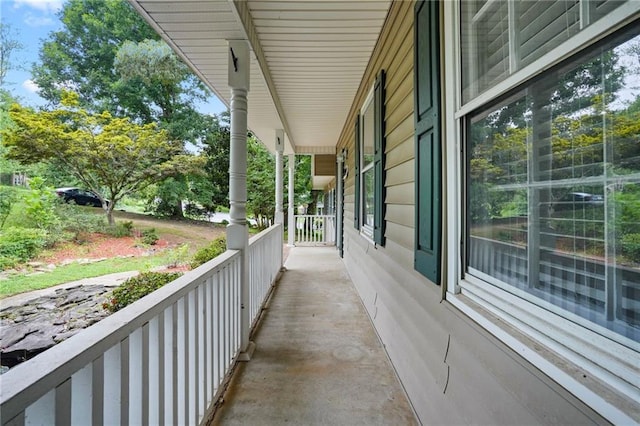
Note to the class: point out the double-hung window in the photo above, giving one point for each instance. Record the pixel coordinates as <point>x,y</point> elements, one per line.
<point>370,164</point>
<point>552,175</point>
<point>554,191</point>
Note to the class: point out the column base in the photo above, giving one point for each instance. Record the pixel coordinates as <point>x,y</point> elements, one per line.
<point>279,217</point>
<point>248,353</point>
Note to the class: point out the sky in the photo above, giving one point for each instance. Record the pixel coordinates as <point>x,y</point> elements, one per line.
<point>31,22</point>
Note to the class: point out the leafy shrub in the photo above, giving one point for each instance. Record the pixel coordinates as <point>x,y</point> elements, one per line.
<point>177,256</point>
<point>149,236</point>
<point>78,221</point>
<point>40,205</point>
<point>121,229</point>
<point>21,244</point>
<point>137,287</point>
<point>631,246</point>
<point>202,256</point>
<point>7,262</point>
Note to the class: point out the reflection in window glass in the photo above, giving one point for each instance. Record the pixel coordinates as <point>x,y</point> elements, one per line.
<point>367,134</point>
<point>499,37</point>
<point>368,197</point>
<point>367,126</point>
<point>554,191</point>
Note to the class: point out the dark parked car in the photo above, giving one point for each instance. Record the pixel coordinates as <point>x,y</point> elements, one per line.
<point>79,196</point>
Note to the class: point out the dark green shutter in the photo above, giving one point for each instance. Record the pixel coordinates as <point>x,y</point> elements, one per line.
<point>428,137</point>
<point>378,159</point>
<point>356,201</point>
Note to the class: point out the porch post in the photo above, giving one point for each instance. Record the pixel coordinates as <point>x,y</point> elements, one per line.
<point>292,225</point>
<point>237,232</point>
<point>279,217</point>
<point>339,201</point>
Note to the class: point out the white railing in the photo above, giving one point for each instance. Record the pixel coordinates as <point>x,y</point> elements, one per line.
<point>314,229</point>
<point>265,261</point>
<point>160,360</point>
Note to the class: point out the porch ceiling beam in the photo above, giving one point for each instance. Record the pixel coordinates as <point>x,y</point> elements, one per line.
<point>243,14</point>
<point>310,150</point>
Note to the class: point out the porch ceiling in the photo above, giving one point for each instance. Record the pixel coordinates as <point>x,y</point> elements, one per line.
<point>307,61</point>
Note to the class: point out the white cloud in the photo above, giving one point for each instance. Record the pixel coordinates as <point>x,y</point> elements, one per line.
<point>37,21</point>
<point>47,6</point>
<point>30,86</point>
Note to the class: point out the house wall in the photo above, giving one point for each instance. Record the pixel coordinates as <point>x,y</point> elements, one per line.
<point>453,370</point>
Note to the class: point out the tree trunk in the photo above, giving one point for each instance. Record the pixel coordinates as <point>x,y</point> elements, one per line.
<point>110,219</point>
<point>178,211</point>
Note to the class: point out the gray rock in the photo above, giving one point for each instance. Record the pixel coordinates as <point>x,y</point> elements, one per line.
<point>40,323</point>
<point>32,342</point>
<point>64,336</point>
<point>9,336</point>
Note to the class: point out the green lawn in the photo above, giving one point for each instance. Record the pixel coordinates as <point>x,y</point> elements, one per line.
<point>73,272</point>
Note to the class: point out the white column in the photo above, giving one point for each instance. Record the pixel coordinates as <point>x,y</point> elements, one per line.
<point>292,225</point>
<point>237,232</point>
<point>339,201</point>
<point>279,216</point>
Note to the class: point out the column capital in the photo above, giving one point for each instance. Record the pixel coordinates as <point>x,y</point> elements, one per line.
<point>239,64</point>
<point>279,140</point>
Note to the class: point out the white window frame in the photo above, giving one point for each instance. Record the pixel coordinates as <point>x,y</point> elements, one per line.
<point>515,321</point>
<point>365,229</point>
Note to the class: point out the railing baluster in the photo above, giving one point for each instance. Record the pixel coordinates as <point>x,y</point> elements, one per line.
<point>217,331</point>
<point>161,368</point>
<point>181,371</point>
<point>235,310</point>
<point>160,360</point>
<point>112,385</point>
<point>225,318</point>
<point>43,408</point>
<point>81,396</point>
<point>198,355</point>
<point>146,366</point>
<point>170,362</point>
<point>192,357</point>
<point>202,345</point>
<point>152,371</point>
<point>314,229</point>
<point>124,381</point>
<point>208,348</point>
<point>135,377</point>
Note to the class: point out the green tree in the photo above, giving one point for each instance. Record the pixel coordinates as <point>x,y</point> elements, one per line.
<point>216,143</point>
<point>261,177</point>
<point>166,92</point>
<point>117,63</point>
<point>169,87</point>
<point>9,45</point>
<point>81,55</point>
<point>302,180</point>
<point>111,156</point>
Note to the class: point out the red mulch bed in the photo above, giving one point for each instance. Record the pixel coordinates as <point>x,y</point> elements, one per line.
<point>98,246</point>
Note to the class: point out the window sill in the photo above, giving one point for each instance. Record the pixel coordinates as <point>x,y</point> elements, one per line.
<point>601,373</point>
<point>367,235</point>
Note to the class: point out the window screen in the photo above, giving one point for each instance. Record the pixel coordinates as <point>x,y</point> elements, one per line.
<point>553,184</point>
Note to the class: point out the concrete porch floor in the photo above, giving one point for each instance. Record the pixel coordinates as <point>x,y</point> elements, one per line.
<point>318,360</point>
